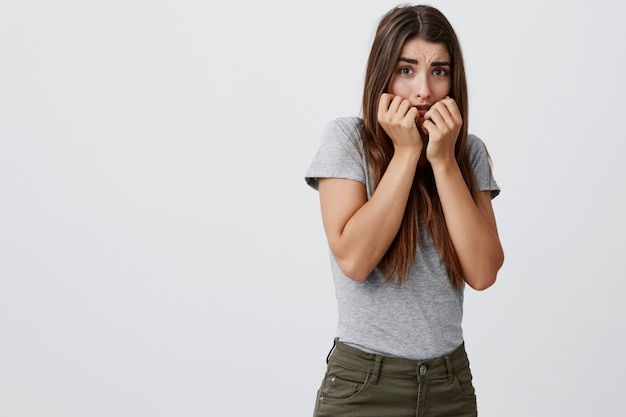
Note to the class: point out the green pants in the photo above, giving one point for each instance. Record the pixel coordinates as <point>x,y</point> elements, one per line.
<point>360,384</point>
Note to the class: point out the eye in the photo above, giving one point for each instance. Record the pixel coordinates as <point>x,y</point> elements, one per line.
<point>440,72</point>
<point>405,71</point>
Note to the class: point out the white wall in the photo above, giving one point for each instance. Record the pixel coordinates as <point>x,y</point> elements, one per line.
<point>161,255</point>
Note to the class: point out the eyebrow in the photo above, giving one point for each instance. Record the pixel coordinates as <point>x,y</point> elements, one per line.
<point>433,64</point>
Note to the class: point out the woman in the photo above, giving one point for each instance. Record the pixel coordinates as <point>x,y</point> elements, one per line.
<point>405,195</point>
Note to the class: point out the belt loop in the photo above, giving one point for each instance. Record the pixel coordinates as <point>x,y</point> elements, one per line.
<point>332,349</point>
<point>376,371</point>
<point>450,369</point>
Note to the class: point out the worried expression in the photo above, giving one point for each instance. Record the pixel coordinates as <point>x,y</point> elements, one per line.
<point>423,74</point>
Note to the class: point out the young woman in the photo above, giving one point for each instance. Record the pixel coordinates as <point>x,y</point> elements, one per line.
<point>405,196</point>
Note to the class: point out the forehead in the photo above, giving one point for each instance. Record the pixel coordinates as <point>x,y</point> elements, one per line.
<point>420,49</point>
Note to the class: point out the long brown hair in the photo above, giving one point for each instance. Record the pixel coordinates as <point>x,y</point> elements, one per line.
<point>398,26</point>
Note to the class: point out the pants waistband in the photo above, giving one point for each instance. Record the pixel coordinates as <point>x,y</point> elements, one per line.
<point>388,366</point>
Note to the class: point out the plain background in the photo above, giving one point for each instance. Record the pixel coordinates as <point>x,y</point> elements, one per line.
<point>161,254</point>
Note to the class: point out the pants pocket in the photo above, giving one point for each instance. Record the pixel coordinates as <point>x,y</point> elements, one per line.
<point>342,391</point>
<point>450,395</point>
<point>463,382</point>
<point>342,383</point>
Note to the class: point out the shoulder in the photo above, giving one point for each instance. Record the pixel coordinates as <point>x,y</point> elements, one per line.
<point>340,154</point>
<point>344,133</point>
<point>474,143</point>
<point>476,148</point>
<point>345,127</point>
<point>480,161</point>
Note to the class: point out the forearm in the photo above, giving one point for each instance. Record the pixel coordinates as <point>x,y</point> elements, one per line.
<point>474,234</point>
<point>368,234</point>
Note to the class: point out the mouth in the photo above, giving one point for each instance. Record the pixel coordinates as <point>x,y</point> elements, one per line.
<point>422,109</point>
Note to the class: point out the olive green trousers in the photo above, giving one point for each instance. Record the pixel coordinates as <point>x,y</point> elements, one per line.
<point>361,384</point>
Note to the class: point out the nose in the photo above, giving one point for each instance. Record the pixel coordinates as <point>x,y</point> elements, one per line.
<point>422,87</point>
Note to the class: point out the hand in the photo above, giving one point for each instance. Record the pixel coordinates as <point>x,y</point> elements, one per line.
<point>442,124</point>
<point>398,118</point>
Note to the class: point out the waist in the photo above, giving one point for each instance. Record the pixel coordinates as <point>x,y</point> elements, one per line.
<point>400,367</point>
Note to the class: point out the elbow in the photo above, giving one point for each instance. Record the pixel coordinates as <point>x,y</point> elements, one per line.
<point>482,284</point>
<point>485,278</point>
<point>353,269</point>
<point>352,263</point>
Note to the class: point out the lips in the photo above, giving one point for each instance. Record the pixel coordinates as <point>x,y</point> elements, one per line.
<point>422,109</point>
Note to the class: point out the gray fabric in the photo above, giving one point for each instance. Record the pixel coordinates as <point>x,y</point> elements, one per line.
<point>420,319</point>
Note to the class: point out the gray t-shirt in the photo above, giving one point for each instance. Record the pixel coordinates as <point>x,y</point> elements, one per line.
<point>420,319</point>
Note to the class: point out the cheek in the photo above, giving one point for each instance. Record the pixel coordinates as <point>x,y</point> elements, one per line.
<point>400,87</point>
<point>443,89</point>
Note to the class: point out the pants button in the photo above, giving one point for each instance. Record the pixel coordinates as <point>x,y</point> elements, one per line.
<point>423,370</point>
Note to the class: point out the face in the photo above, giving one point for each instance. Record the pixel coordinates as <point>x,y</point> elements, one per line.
<point>423,74</point>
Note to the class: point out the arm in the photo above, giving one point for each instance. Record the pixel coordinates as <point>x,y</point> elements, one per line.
<point>470,219</point>
<point>360,231</point>
<point>472,227</point>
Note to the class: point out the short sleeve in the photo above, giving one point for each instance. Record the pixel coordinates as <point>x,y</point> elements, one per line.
<point>481,164</point>
<point>340,154</point>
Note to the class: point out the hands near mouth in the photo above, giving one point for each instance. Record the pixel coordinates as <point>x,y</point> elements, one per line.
<point>440,125</point>
<point>398,118</point>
